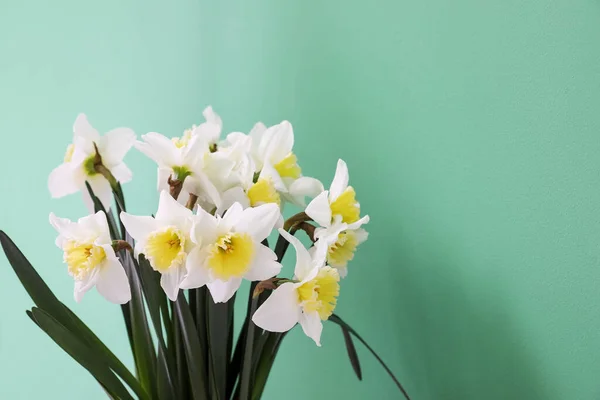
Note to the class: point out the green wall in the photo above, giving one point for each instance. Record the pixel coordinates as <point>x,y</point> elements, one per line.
<point>472,133</point>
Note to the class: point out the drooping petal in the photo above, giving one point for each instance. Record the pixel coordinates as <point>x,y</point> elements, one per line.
<point>63,181</point>
<point>223,291</point>
<point>115,144</point>
<point>319,210</point>
<point>361,235</point>
<point>304,187</point>
<point>312,326</point>
<point>303,259</point>
<point>264,265</point>
<point>121,172</point>
<point>197,275</point>
<point>359,223</point>
<point>170,210</point>
<point>171,280</point>
<point>84,285</point>
<point>281,311</point>
<point>340,180</point>
<point>112,282</point>
<point>139,226</point>
<point>259,221</point>
<point>83,129</point>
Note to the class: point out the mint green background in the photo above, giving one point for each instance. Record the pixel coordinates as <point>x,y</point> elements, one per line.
<point>472,133</point>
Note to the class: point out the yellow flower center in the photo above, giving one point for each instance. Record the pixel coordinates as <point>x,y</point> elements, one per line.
<point>342,250</point>
<point>230,256</point>
<point>184,140</point>
<point>320,294</point>
<point>165,248</point>
<point>346,206</point>
<point>288,167</point>
<point>69,153</point>
<point>82,258</point>
<point>263,192</point>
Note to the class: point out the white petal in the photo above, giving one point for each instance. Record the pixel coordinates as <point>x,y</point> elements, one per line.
<point>361,235</point>
<point>112,282</point>
<point>303,259</point>
<point>319,210</point>
<point>82,286</point>
<point>264,265</point>
<point>280,141</point>
<point>83,129</point>
<point>223,291</point>
<point>343,271</point>
<point>233,195</point>
<point>163,178</point>
<point>340,180</point>
<point>197,274</point>
<point>169,209</point>
<point>312,326</point>
<point>115,144</point>
<point>281,311</point>
<point>139,227</point>
<point>359,223</point>
<point>159,148</point>
<point>205,188</point>
<point>204,228</point>
<point>63,181</point>
<point>171,280</point>
<point>268,172</point>
<point>122,173</point>
<point>304,187</point>
<point>232,216</point>
<point>258,221</point>
<point>96,225</point>
<point>101,189</point>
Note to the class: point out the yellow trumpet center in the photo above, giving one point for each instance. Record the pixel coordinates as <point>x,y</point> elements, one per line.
<point>288,167</point>
<point>342,251</point>
<point>82,258</point>
<point>320,294</point>
<point>263,191</point>
<point>231,256</point>
<point>346,206</point>
<point>165,248</point>
<point>69,153</point>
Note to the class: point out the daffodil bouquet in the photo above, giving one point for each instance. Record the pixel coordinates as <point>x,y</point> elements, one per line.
<point>176,273</point>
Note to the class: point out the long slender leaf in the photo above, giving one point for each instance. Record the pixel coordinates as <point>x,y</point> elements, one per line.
<point>247,361</point>
<point>193,349</point>
<point>265,364</point>
<point>337,320</point>
<point>352,355</point>
<point>218,335</point>
<point>183,376</point>
<point>80,353</point>
<point>43,297</point>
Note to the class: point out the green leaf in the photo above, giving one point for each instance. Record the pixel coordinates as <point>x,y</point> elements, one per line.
<point>81,353</point>
<point>219,325</point>
<point>43,297</point>
<point>337,320</point>
<point>265,363</point>
<point>351,352</point>
<point>193,349</point>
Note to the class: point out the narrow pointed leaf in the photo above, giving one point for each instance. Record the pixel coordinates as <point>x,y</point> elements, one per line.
<point>337,320</point>
<point>81,353</point>
<point>352,353</point>
<point>193,349</point>
<point>43,297</point>
<point>218,336</point>
<point>265,363</point>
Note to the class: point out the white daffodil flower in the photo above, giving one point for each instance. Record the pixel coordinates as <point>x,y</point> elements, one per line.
<point>309,299</point>
<point>90,257</point>
<point>272,148</point>
<point>338,204</point>
<point>230,248</point>
<point>79,167</point>
<point>209,131</point>
<point>341,241</point>
<point>164,240</point>
<point>183,159</point>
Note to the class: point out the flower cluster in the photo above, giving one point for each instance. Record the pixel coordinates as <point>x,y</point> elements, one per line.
<point>220,198</point>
